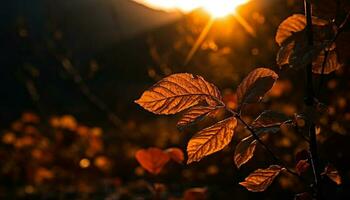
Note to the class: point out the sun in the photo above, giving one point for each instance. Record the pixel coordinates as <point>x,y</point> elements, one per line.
<point>216,8</point>
<point>221,8</point>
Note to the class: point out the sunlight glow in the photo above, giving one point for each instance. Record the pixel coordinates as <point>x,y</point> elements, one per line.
<point>216,8</point>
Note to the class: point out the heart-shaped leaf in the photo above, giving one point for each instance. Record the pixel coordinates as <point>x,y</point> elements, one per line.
<point>152,159</point>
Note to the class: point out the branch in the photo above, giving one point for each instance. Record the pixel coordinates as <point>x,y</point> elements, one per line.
<point>309,101</point>
<point>267,148</point>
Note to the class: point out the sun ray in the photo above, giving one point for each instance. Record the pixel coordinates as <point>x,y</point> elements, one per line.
<point>200,39</point>
<point>245,24</point>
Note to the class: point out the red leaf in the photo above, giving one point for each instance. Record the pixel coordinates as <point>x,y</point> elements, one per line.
<point>175,154</point>
<point>152,159</point>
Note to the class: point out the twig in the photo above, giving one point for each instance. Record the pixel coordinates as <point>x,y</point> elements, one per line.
<point>309,101</point>
<point>267,148</point>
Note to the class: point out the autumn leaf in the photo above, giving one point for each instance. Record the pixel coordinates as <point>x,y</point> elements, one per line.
<point>255,85</point>
<point>178,92</point>
<point>294,24</point>
<point>193,114</point>
<point>333,174</point>
<point>211,139</point>
<point>152,159</point>
<point>244,151</point>
<point>175,154</point>
<point>261,179</point>
<point>302,166</point>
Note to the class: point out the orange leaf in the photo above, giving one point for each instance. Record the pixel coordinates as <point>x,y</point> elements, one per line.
<point>175,154</point>
<point>333,174</point>
<point>255,85</point>
<point>152,159</point>
<point>211,139</point>
<point>193,114</point>
<point>244,151</point>
<point>261,179</point>
<point>178,92</point>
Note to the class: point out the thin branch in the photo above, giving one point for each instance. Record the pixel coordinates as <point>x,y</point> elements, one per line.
<point>267,148</point>
<point>309,101</point>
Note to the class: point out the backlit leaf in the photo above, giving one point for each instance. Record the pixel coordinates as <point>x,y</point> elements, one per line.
<point>193,114</point>
<point>244,151</point>
<point>211,139</point>
<point>333,174</point>
<point>261,179</point>
<point>178,92</point>
<point>255,85</point>
<point>293,24</point>
<point>152,159</point>
<point>175,154</point>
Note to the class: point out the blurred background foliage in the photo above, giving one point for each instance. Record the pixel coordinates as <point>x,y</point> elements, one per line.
<point>70,73</point>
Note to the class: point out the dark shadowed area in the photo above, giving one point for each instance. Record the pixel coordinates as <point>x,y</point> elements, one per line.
<point>71,70</point>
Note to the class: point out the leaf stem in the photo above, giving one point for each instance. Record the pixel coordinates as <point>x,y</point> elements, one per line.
<point>309,101</point>
<point>256,137</point>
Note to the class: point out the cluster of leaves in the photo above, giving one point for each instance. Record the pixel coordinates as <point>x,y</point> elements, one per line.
<point>295,51</point>
<point>198,98</point>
